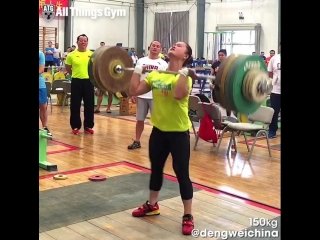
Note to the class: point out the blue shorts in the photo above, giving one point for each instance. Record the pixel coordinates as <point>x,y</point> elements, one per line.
<point>43,96</point>
<point>57,61</point>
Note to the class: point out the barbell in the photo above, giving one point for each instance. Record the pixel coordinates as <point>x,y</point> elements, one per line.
<point>241,84</point>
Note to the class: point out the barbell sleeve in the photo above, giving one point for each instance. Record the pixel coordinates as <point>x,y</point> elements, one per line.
<point>168,72</point>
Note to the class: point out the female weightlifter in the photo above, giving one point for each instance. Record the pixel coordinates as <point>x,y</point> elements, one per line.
<point>170,133</point>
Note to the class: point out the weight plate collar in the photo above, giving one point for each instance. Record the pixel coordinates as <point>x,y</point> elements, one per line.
<point>107,60</point>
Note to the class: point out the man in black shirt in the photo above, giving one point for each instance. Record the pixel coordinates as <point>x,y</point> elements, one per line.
<point>215,68</point>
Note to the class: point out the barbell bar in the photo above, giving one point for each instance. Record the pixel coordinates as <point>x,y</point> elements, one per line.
<point>242,83</point>
<point>262,87</point>
<point>119,69</point>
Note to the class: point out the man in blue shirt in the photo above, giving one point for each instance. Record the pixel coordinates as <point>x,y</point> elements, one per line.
<point>263,56</point>
<point>49,51</point>
<point>43,94</point>
<point>131,51</point>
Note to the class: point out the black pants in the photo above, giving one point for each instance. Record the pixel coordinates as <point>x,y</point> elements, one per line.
<point>82,89</point>
<point>48,64</point>
<point>178,144</point>
<point>275,102</point>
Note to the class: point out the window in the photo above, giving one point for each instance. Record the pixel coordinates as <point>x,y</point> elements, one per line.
<point>228,48</point>
<point>226,38</point>
<point>243,49</point>
<point>243,37</point>
<point>252,37</point>
<point>237,38</point>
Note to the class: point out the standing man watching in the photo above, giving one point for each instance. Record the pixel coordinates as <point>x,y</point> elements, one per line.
<point>65,55</point>
<point>102,44</point>
<point>100,95</point>
<point>57,55</point>
<point>144,102</point>
<point>222,54</point>
<point>272,53</point>
<point>274,69</point>
<point>43,95</point>
<point>49,62</point>
<point>81,87</point>
<point>263,56</point>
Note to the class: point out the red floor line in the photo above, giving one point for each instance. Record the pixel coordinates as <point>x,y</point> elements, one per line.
<point>60,151</point>
<point>171,178</point>
<point>128,120</point>
<point>213,190</point>
<point>258,139</point>
<point>124,119</point>
<point>70,147</point>
<point>261,146</point>
<point>81,170</point>
<point>63,144</point>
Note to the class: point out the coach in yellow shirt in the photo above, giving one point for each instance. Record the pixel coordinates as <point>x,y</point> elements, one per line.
<point>170,133</point>
<point>81,87</point>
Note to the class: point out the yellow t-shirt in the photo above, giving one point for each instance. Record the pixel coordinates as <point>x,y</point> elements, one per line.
<point>168,114</point>
<point>79,63</point>
<point>160,55</point>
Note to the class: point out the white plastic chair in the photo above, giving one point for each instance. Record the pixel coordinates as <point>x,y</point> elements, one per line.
<point>215,114</point>
<point>263,115</point>
<point>66,85</point>
<point>193,105</point>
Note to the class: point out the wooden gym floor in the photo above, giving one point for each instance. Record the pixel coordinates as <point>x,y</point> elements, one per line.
<point>244,188</point>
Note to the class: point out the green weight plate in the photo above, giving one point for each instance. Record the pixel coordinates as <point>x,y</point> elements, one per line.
<point>228,84</point>
<point>232,77</point>
<point>91,66</point>
<point>241,66</point>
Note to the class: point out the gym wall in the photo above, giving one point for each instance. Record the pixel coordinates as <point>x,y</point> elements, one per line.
<point>104,29</point>
<point>55,23</point>
<point>155,6</point>
<point>264,12</point>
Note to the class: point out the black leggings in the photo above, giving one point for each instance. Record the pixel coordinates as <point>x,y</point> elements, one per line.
<point>178,144</point>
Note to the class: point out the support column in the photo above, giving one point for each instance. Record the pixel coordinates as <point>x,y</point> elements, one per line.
<point>201,10</point>
<point>67,27</point>
<point>139,22</point>
<point>279,22</point>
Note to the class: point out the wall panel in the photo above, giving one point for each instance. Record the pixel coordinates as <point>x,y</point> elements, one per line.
<point>105,29</point>
<point>264,12</point>
<point>56,23</point>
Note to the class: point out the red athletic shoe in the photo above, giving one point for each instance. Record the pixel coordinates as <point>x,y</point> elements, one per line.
<point>89,130</point>
<point>146,210</point>
<point>187,224</point>
<point>75,131</point>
